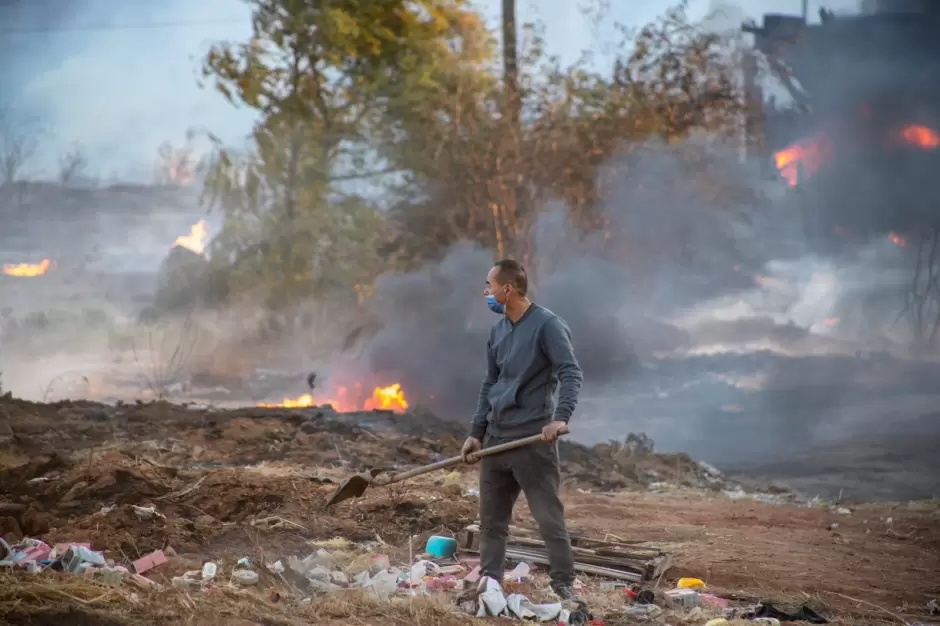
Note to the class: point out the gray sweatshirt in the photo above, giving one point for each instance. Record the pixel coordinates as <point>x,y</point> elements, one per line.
<point>525,362</point>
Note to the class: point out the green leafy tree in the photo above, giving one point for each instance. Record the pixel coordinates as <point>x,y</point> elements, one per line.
<point>322,77</point>
<point>405,99</point>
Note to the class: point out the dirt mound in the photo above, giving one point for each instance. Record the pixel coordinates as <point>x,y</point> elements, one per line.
<point>93,496</point>
<point>616,466</point>
<point>75,471</point>
<point>80,471</point>
<point>205,484</point>
<point>183,437</point>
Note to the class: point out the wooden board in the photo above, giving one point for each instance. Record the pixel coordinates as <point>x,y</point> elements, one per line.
<point>620,560</point>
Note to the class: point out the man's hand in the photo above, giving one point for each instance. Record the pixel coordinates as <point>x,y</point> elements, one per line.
<point>553,431</point>
<point>471,445</point>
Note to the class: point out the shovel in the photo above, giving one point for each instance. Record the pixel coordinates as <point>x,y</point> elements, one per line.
<point>356,485</point>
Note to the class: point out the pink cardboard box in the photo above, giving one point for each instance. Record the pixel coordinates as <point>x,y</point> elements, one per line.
<point>150,561</point>
<point>35,553</point>
<point>473,576</point>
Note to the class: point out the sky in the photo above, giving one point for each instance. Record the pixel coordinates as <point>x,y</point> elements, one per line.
<point>120,78</point>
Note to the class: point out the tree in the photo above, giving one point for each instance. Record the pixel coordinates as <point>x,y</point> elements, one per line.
<point>322,77</point>
<point>72,165</point>
<point>19,141</point>
<point>479,175</point>
<point>407,99</point>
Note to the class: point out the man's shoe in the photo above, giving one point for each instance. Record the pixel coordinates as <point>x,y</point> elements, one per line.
<point>567,593</point>
<point>569,597</point>
<point>576,606</point>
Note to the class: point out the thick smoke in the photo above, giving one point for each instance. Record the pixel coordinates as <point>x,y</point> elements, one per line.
<point>700,317</point>
<point>673,247</point>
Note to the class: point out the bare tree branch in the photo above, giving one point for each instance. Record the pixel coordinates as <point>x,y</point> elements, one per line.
<point>72,165</point>
<point>19,141</point>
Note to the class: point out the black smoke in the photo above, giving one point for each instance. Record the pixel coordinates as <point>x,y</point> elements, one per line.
<point>671,247</point>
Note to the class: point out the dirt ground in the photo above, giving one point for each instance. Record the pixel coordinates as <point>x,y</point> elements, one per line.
<point>252,483</point>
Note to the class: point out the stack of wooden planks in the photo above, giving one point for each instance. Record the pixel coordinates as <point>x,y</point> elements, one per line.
<point>635,561</point>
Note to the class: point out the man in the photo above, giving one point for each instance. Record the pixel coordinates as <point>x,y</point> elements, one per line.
<point>529,354</point>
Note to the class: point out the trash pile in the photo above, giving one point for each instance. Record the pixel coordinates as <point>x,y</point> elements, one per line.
<point>523,594</point>
<point>439,569</point>
<point>691,599</point>
<point>339,566</point>
<point>488,599</point>
<point>35,556</point>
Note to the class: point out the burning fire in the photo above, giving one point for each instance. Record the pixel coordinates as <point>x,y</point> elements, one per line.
<point>25,270</point>
<point>921,136</point>
<point>390,398</point>
<point>897,240</point>
<point>195,241</point>
<point>831,321</point>
<point>808,155</point>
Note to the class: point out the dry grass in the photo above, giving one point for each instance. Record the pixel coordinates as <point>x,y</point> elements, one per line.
<point>603,602</point>
<point>165,358</point>
<point>336,543</point>
<point>358,604</point>
<point>776,597</point>
<point>58,593</point>
<point>39,589</point>
<point>277,605</point>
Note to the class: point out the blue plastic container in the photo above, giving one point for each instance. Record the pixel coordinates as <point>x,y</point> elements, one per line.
<point>441,547</point>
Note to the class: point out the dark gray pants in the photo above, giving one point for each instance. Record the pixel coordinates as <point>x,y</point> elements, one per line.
<point>533,470</point>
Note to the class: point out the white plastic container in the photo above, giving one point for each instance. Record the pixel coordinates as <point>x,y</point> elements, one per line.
<point>681,598</point>
<point>209,570</point>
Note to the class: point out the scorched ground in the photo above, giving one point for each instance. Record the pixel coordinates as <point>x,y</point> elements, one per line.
<point>70,472</point>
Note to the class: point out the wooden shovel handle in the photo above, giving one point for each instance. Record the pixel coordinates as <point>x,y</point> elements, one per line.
<point>457,460</point>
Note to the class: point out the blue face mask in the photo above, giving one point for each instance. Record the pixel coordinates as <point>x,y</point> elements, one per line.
<point>495,306</point>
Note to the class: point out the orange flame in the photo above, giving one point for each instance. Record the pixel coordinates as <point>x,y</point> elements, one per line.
<point>831,321</point>
<point>387,398</point>
<point>897,240</point>
<point>27,270</point>
<point>390,398</point>
<point>811,154</point>
<point>921,136</point>
<point>195,241</point>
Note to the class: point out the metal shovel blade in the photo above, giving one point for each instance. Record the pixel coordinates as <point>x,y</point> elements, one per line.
<point>353,487</point>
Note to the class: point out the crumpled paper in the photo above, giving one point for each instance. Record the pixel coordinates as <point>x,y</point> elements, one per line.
<point>492,602</point>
